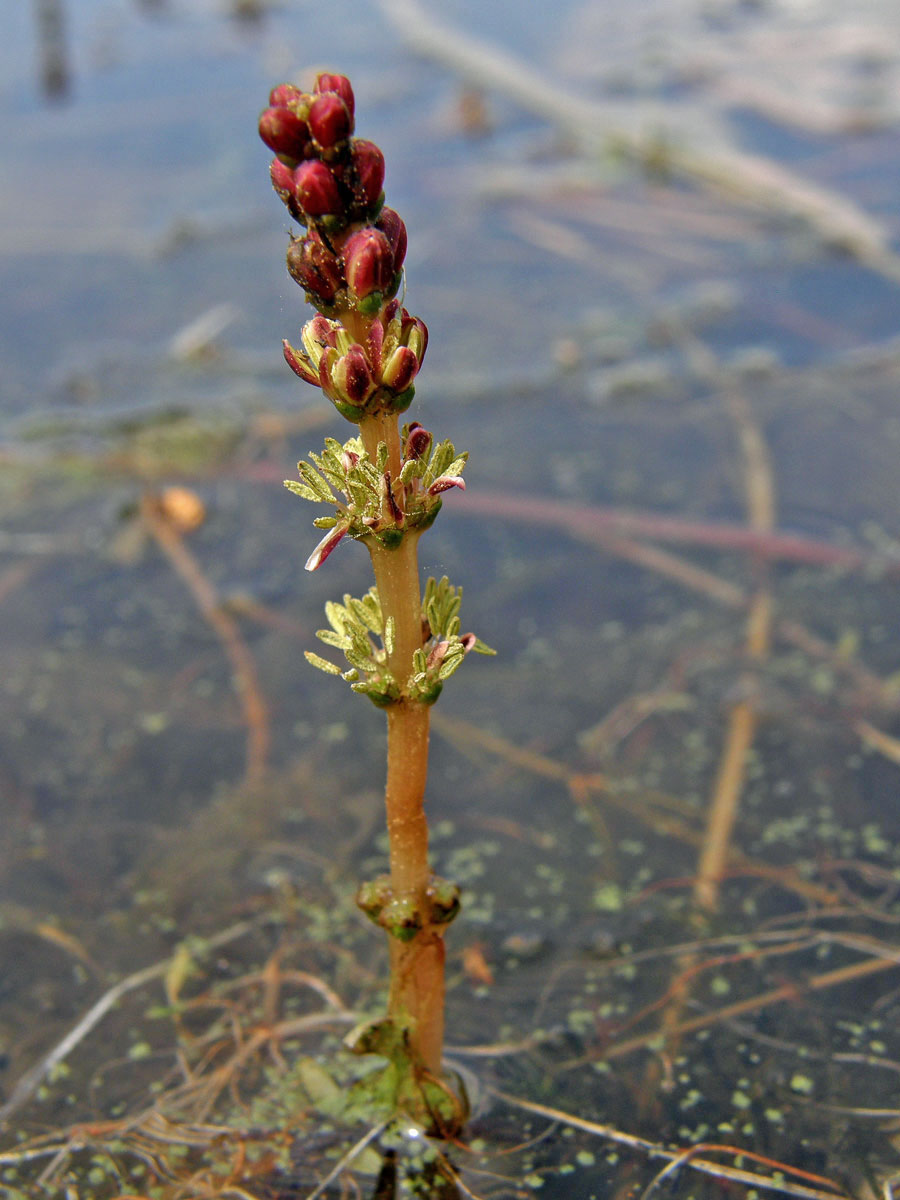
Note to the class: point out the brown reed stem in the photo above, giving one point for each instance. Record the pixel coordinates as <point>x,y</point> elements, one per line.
<point>759,488</point>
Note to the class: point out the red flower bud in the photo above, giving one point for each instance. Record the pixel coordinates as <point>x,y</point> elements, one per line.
<point>414,334</point>
<point>315,189</point>
<point>392,226</point>
<point>351,378</point>
<point>400,369</point>
<point>300,364</point>
<point>368,262</point>
<point>418,441</point>
<point>320,331</point>
<point>330,120</point>
<point>445,483</point>
<point>282,95</point>
<point>282,180</point>
<point>328,543</point>
<point>315,268</point>
<point>284,132</point>
<point>368,167</point>
<point>339,84</point>
<point>404,329</point>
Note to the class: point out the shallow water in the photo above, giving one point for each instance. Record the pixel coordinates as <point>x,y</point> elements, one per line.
<point>604,341</point>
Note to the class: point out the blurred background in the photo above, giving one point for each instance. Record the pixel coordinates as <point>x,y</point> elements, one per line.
<point>656,249</point>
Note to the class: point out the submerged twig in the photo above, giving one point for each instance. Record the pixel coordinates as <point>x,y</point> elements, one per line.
<point>785,993</point>
<point>703,1165</point>
<point>617,531</point>
<point>28,1084</point>
<point>466,734</point>
<point>593,522</point>
<point>243,666</point>
<point>759,485</point>
<point>344,1162</point>
<point>667,138</point>
<point>876,739</point>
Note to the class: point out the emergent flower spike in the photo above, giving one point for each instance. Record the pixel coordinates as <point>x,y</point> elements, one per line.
<point>383,488</point>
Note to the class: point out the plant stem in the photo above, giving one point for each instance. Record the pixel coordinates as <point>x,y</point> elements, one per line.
<point>416,1002</point>
<point>383,427</point>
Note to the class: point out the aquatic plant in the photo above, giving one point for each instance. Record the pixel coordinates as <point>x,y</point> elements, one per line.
<point>384,488</point>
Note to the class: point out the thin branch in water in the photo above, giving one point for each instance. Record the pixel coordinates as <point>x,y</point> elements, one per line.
<point>706,1167</point>
<point>759,487</point>
<point>28,1083</point>
<point>600,127</point>
<point>650,811</point>
<point>243,666</point>
<point>355,1150</point>
<point>779,995</point>
<point>685,1157</point>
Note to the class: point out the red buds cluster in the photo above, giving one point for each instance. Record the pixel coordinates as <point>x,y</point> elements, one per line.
<point>361,379</point>
<point>299,126</point>
<point>331,182</point>
<point>349,260</point>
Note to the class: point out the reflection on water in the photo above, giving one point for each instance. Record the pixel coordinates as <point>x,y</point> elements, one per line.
<point>50,22</point>
<point>680,534</point>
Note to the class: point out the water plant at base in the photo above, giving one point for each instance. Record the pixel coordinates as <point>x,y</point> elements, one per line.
<point>383,488</point>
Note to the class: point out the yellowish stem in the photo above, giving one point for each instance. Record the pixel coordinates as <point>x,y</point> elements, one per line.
<point>417,967</point>
<point>416,1000</point>
<point>405,800</point>
<point>383,428</point>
